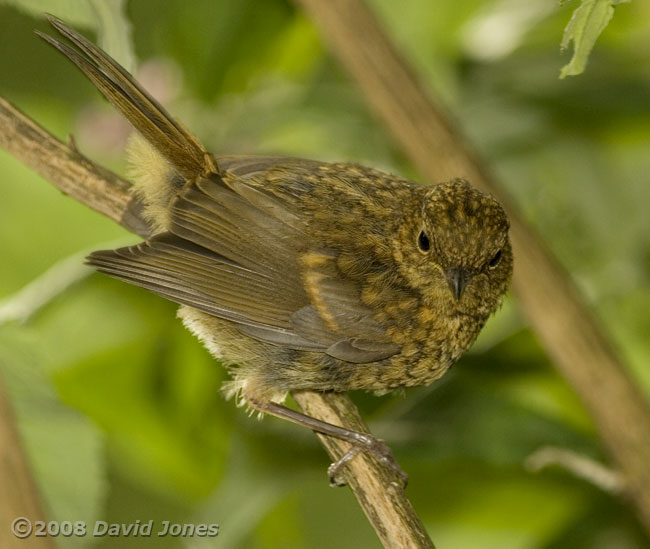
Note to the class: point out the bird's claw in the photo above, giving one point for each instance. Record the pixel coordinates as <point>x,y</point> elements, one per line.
<point>375,447</point>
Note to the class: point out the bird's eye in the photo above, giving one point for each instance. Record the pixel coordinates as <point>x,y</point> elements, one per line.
<point>423,242</point>
<point>496,259</point>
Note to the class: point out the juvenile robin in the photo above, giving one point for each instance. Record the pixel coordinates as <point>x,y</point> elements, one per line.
<point>299,274</point>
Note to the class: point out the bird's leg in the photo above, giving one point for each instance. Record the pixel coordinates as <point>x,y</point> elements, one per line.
<point>359,441</point>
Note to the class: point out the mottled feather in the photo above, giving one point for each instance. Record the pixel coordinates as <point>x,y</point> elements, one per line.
<point>303,274</point>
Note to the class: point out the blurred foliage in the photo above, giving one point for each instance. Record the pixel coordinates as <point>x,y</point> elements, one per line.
<point>120,407</point>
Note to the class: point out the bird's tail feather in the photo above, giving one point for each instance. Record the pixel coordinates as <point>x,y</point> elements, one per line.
<point>176,144</point>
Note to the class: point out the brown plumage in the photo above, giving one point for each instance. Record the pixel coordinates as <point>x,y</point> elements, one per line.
<point>303,274</point>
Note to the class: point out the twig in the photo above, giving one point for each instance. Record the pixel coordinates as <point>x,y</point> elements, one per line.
<point>384,503</point>
<point>20,306</point>
<point>20,496</point>
<point>546,294</point>
<point>581,466</point>
<point>62,165</point>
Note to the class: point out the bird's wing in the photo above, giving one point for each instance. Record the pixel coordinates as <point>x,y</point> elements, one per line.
<point>232,250</point>
<point>238,253</point>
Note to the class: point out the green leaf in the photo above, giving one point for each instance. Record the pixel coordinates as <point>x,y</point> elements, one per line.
<point>107,18</point>
<point>587,22</point>
<point>65,450</point>
<point>156,397</point>
<point>71,11</point>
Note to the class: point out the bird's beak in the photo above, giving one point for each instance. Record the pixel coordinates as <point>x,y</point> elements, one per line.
<point>458,278</point>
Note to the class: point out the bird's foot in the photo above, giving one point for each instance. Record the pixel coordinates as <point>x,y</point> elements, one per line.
<point>374,447</point>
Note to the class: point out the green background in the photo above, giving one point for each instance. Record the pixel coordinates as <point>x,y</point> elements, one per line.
<point>120,408</point>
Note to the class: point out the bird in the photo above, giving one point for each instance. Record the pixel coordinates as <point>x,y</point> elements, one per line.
<point>300,274</point>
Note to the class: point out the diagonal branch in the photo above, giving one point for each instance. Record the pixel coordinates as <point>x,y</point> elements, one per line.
<point>546,294</point>
<point>385,503</point>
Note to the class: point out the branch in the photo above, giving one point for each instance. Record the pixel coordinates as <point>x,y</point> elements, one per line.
<point>20,496</point>
<point>546,294</point>
<point>385,504</point>
<point>381,498</point>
